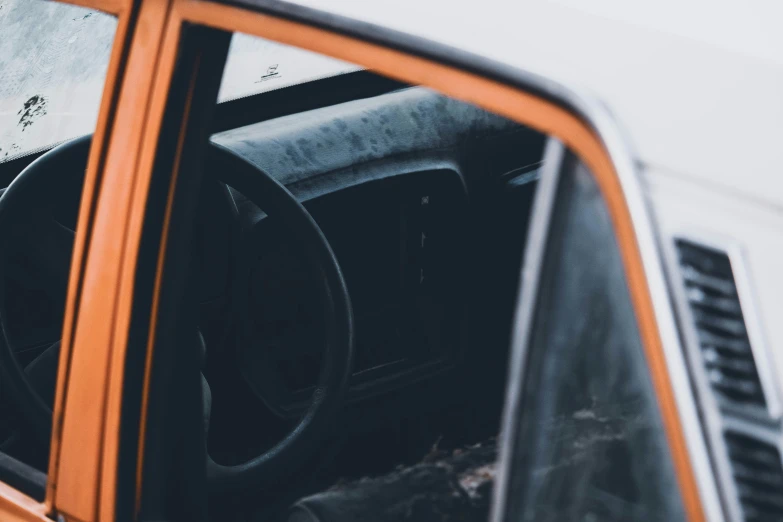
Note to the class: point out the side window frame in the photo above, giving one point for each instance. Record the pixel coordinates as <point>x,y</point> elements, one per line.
<point>168,86</point>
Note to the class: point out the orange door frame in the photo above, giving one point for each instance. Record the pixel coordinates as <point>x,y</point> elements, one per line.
<point>83,475</point>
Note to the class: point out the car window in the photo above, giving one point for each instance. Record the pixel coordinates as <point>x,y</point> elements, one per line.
<point>53,59</point>
<point>53,64</point>
<point>256,65</point>
<point>587,441</point>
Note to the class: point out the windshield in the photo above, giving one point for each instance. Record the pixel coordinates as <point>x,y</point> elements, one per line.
<point>256,65</point>
<point>52,72</point>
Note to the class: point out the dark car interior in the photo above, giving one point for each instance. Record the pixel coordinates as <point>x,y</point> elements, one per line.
<point>424,201</point>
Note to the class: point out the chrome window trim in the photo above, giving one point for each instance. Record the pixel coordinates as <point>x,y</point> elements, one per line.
<point>541,217</point>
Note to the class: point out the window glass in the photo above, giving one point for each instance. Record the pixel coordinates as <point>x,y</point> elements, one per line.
<point>53,59</point>
<point>590,443</point>
<point>256,65</point>
<point>423,200</point>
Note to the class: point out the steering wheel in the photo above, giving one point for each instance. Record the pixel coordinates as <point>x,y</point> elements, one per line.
<point>53,244</point>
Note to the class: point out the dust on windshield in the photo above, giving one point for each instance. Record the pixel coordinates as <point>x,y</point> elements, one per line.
<point>53,63</point>
<point>255,65</point>
<point>53,60</point>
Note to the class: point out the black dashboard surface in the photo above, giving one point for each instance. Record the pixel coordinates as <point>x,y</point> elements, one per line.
<point>385,162</point>
<point>319,151</point>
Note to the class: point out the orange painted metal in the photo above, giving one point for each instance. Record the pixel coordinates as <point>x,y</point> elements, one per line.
<point>89,437</point>
<point>107,6</point>
<point>527,109</point>
<point>83,232</point>
<point>169,56</point>
<point>159,92</point>
<point>18,507</point>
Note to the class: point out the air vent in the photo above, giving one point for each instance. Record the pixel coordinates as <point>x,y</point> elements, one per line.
<point>758,475</point>
<point>720,327</point>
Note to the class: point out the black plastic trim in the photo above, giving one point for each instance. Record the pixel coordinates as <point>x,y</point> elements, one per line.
<point>25,478</point>
<point>300,98</point>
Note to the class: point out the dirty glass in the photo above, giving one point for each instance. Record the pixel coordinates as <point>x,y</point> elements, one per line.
<point>53,63</point>
<point>256,65</point>
<point>52,72</point>
<point>590,445</point>
<point>53,60</point>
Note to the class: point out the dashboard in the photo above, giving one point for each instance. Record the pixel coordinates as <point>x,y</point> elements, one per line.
<point>398,243</point>
<point>392,182</point>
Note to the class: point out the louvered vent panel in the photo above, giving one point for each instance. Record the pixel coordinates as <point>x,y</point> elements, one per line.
<point>758,475</point>
<point>720,326</point>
